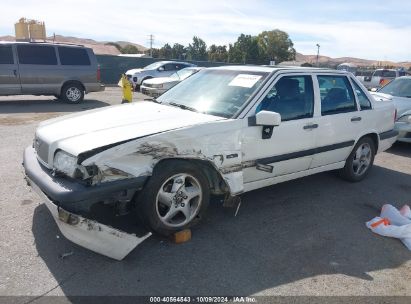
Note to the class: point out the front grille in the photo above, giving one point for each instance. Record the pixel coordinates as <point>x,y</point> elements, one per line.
<point>42,149</point>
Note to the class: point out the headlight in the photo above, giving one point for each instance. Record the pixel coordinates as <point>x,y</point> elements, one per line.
<point>405,118</point>
<point>157,86</point>
<point>67,164</point>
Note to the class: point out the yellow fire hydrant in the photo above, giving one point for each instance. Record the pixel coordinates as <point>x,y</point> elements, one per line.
<point>127,87</point>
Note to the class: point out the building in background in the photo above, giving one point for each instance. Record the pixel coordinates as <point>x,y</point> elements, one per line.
<point>30,30</point>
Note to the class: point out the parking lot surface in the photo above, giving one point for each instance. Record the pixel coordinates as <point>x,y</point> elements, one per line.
<point>304,237</point>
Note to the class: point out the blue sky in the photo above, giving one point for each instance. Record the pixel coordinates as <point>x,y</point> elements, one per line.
<point>379,30</point>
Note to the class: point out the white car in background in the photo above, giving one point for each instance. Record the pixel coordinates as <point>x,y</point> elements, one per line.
<point>154,70</point>
<point>154,87</point>
<point>399,92</point>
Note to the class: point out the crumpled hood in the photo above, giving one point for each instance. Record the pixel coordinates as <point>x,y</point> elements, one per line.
<point>402,104</point>
<point>80,132</point>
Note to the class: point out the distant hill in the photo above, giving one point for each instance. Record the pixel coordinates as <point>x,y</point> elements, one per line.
<point>99,47</point>
<point>358,61</point>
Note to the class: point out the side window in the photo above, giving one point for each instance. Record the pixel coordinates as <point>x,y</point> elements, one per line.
<point>36,54</point>
<point>362,98</point>
<point>292,97</point>
<point>336,95</point>
<point>169,67</point>
<point>6,54</point>
<point>73,56</point>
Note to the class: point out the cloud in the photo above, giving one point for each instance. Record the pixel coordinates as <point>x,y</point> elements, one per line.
<point>331,25</point>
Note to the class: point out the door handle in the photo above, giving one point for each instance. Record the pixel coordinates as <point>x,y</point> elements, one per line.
<point>354,119</point>
<point>311,126</point>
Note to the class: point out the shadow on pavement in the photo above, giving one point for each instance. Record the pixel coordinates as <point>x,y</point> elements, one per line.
<point>400,149</point>
<point>46,105</point>
<point>283,233</point>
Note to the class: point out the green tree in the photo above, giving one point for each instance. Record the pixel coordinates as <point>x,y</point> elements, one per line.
<point>276,45</point>
<point>130,49</point>
<point>166,52</point>
<point>197,50</point>
<point>178,51</point>
<point>217,53</point>
<point>245,50</point>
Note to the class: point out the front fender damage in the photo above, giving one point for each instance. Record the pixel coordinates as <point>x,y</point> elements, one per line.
<point>222,151</point>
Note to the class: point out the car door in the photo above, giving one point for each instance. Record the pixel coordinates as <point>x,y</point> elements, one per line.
<point>169,69</point>
<point>289,148</point>
<point>340,123</point>
<point>38,66</point>
<point>9,72</point>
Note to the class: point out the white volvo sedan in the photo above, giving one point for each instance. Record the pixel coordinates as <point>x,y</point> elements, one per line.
<point>225,130</point>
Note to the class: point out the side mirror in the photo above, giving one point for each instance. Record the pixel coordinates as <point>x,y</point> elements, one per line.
<point>267,118</point>
<point>160,69</point>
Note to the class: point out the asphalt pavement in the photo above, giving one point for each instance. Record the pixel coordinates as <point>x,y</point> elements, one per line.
<point>304,237</point>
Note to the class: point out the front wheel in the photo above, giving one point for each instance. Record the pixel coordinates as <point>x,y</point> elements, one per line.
<point>360,161</point>
<point>175,197</point>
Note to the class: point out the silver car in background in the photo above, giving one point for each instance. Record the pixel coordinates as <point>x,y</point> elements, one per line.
<point>65,71</point>
<point>156,86</point>
<point>399,92</point>
<point>154,70</point>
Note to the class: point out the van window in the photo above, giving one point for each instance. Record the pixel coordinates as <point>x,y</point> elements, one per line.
<point>6,54</point>
<point>36,54</point>
<point>73,56</point>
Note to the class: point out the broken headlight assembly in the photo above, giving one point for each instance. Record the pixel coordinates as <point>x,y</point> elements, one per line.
<point>67,164</point>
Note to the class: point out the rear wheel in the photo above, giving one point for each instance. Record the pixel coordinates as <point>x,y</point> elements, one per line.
<point>360,161</point>
<point>72,93</point>
<point>174,198</point>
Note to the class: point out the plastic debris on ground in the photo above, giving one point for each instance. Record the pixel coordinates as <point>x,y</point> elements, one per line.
<point>393,223</point>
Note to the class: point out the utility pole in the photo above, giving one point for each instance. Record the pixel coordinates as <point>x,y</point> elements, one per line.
<point>151,38</point>
<point>318,54</point>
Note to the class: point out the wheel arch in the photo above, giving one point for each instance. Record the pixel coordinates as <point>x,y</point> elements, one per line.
<point>375,138</point>
<point>216,182</point>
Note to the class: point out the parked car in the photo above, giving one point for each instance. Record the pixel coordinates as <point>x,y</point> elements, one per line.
<point>65,71</point>
<point>399,92</point>
<point>156,86</point>
<point>381,77</point>
<point>156,69</point>
<point>222,131</point>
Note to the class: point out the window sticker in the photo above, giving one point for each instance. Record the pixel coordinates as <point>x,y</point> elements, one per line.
<point>245,80</point>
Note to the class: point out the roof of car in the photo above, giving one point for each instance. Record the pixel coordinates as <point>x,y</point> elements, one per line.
<point>270,69</point>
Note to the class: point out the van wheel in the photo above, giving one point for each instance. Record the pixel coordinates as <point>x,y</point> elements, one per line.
<point>72,93</point>
<point>360,161</point>
<point>175,198</point>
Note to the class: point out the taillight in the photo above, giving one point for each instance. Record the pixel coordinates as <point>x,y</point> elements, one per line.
<point>98,73</point>
<point>382,81</point>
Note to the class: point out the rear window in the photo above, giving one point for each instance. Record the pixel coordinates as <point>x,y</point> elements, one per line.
<point>6,54</point>
<point>385,73</point>
<point>73,56</point>
<point>36,54</point>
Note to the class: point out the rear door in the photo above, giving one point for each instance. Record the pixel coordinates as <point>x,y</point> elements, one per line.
<point>38,66</point>
<point>340,122</point>
<point>9,72</point>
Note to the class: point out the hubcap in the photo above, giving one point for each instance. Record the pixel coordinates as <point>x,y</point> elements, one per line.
<point>178,200</point>
<point>362,159</point>
<point>73,94</point>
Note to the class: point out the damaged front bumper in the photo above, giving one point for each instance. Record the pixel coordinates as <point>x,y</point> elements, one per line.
<point>63,197</point>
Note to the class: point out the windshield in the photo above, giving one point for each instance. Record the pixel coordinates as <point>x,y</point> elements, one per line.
<point>153,66</point>
<point>215,92</point>
<point>400,87</point>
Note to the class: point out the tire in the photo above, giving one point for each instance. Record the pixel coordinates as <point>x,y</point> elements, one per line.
<point>72,93</point>
<point>175,198</point>
<point>360,161</point>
